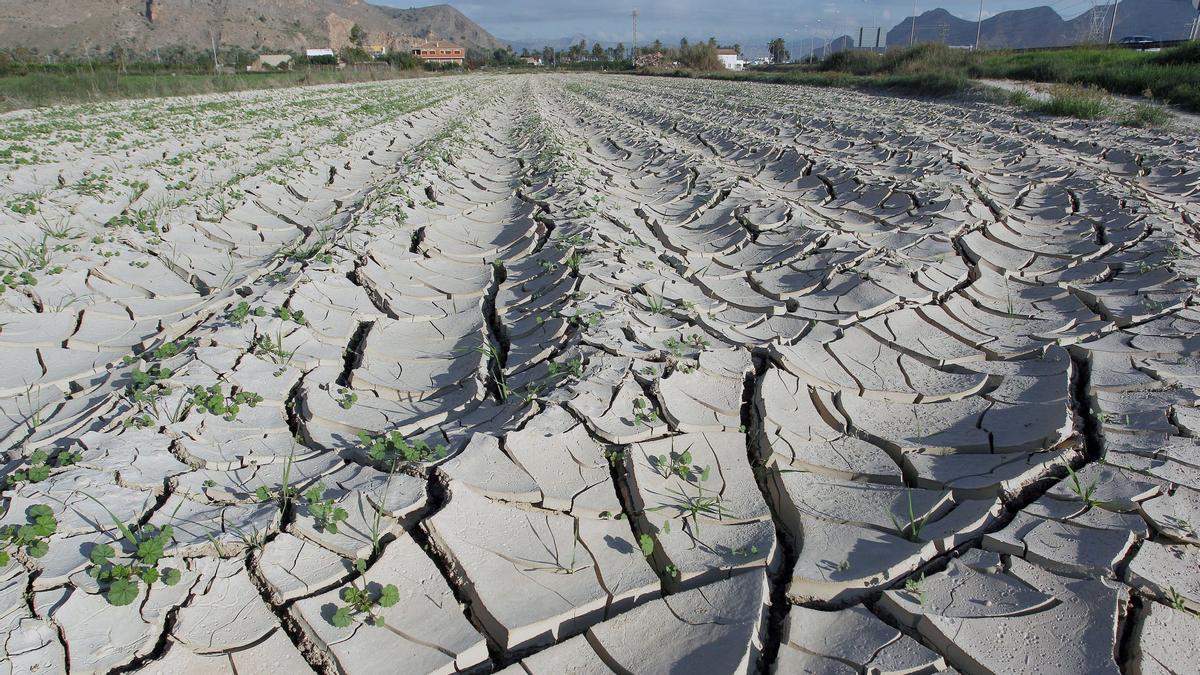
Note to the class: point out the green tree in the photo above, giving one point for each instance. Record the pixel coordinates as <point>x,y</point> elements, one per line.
<point>357,35</point>
<point>778,50</point>
<point>699,57</point>
<point>597,52</point>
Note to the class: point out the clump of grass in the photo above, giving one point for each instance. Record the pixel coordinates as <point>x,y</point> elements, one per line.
<point>1148,114</point>
<point>1087,103</point>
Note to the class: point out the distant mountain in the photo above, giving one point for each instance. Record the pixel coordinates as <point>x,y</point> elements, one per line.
<point>77,26</point>
<point>1043,27</point>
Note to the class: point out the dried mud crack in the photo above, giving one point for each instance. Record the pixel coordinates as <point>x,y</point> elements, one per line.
<point>546,374</point>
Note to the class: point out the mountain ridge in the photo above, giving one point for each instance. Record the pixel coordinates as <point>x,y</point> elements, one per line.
<point>74,26</point>
<point>1043,27</point>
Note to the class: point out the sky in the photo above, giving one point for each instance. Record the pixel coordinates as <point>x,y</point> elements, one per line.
<point>727,20</point>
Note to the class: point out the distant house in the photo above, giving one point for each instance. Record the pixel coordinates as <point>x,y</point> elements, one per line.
<point>440,52</point>
<point>532,60</point>
<point>730,59</point>
<point>267,62</point>
<point>376,50</point>
<point>311,53</point>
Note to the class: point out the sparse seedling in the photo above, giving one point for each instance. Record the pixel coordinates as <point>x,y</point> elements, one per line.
<point>1176,600</point>
<point>646,543</point>
<point>39,466</point>
<point>325,512</point>
<point>346,398</point>
<point>912,529</point>
<point>364,604</point>
<point>1086,493</point>
<point>643,412</point>
<point>913,585</point>
<point>213,401</point>
<point>393,448</point>
<point>120,579</point>
<point>33,537</point>
<point>571,368</point>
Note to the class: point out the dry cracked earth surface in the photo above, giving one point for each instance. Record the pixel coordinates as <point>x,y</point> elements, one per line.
<point>596,374</point>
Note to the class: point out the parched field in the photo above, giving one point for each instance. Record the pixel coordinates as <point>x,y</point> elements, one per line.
<point>591,374</point>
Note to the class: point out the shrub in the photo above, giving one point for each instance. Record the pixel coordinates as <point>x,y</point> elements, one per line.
<point>1185,54</point>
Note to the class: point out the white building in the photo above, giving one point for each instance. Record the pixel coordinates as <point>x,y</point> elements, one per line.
<point>730,59</point>
<point>318,52</point>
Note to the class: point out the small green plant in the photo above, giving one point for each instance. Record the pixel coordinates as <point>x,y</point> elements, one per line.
<point>656,304</point>
<point>263,345</point>
<point>496,364</point>
<point>1176,600</point>
<point>698,341</point>
<point>615,457</point>
<point>237,314</point>
<point>306,253</point>
<point>646,543</point>
<point>346,398</point>
<point>286,491</point>
<point>361,602</point>
<point>140,220</point>
<point>571,368</point>
<point>1086,493</point>
<point>295,316</point>
<point>213,401</point>
<point>22,206</point>
<point>32,536</point>
<point>912,529</point>
<point>573,261</point>
<point>674,346</point>
<point>589,319</point>
<point>913,585</point>
<point>707,503</point>
<point>643,412</point>
<point>147,386</point>
<point>120,579</point>
<point>744,552</point>
<point>39,466</point>
<point>680,464</point>
<point>325,512</point>
<point>393,446</point>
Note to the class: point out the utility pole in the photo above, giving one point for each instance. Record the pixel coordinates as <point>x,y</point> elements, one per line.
<point>979,26</point>
<point>912,37</point>
<point>1113,26</point>
<point>635,16</point>
<point>213,40</point>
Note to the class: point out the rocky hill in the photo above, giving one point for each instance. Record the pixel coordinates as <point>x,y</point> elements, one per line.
<point>1043,27</point>
<point>77,26</point>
